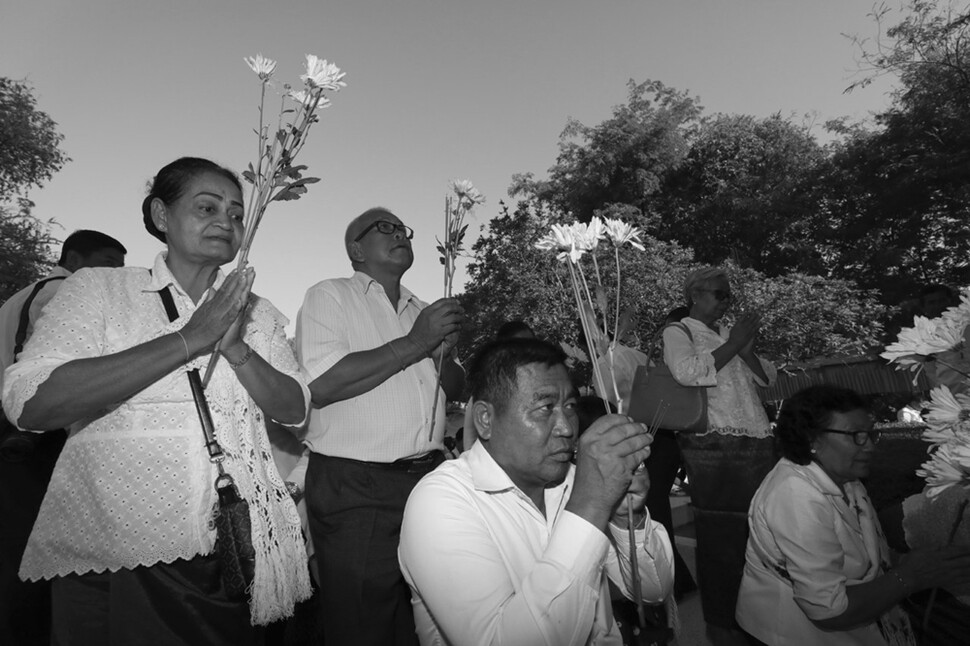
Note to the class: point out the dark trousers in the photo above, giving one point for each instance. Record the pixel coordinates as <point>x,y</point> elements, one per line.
<point>25,607</point>
<point>167,604</point>
<point>355,511</point>
<point>724,472</point>
<point>662,467</point>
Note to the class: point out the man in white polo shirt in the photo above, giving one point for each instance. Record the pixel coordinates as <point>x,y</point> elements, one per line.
<point>369,349</point>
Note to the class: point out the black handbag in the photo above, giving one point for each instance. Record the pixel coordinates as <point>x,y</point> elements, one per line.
<point>234,538</point>
<point>657,399</point>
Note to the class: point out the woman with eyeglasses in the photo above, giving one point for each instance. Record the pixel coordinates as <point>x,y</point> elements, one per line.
<point>818,570</point>
<point>727,460</point>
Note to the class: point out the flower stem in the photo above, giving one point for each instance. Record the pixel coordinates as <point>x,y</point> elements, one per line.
<point>634,564</point>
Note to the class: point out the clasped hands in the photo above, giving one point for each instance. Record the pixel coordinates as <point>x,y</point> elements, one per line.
<point>609,462</point>
<point>221,317</point>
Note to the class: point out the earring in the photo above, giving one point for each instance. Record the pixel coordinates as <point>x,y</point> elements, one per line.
<point>813,451</point>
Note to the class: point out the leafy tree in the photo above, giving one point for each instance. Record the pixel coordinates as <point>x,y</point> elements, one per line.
<point>30,154</point>
<point>742,193</point>
<point>620,161</point>
<point>804,316</point>
<point>896,197</point>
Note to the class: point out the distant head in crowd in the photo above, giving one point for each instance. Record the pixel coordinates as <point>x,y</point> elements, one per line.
<point>515,330</point>
<point>935,299</point>
<point>379,244</point>
<point>195,207</point>
<point>525,410</point>
<point>86,248</point>
<point>831,426</point>
<point>707,292</point>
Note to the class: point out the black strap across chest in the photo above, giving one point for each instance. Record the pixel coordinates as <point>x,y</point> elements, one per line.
<point>198,392</point>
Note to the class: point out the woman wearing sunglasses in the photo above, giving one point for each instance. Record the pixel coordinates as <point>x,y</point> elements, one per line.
<point>818,570</point>
<point>726,460</point>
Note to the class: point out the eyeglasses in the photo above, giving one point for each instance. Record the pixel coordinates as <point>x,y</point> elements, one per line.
<point>859,437</point>
<point>387,228</point>
<point>719,294</point>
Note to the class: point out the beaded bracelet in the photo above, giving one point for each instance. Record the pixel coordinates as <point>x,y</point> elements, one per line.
<point>246,357</point>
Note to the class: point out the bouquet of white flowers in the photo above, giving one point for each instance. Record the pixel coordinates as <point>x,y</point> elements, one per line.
<point>275,176</point>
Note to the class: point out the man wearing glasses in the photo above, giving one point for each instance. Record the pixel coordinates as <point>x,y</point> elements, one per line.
<point>369,349</point>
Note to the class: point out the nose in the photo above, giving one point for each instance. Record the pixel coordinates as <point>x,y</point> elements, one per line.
<point>564,425</point>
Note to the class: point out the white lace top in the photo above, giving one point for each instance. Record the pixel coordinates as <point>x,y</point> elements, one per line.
<point>134,485</point>
<point>733,405</point>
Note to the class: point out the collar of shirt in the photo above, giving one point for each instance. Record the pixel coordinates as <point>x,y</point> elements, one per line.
<point>162,277</point>
<point>58,271</point>
<point>845,503</point>
<point>489,477</point>
<point>366,283</point>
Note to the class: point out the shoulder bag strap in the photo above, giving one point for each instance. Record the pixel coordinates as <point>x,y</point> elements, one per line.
<point>21,336</point>
<point>216,456</point>
<point>683,327</point>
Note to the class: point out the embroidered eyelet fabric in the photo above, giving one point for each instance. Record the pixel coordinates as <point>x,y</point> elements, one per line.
<point>733,404</point>
<point>134,486</point>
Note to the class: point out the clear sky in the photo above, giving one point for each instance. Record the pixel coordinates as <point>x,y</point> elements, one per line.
<point>436,90</point>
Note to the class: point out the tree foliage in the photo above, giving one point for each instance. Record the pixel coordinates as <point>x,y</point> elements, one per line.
<point>741,193</point>
<point>897,196</point>
<point>620,161</point>
<point>804,316</point>
<point>30,154</point>
<point>30,151</point>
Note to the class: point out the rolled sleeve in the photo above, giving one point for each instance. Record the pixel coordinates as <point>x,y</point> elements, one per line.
<point>71,327</point>
<point>320,342</point>
<point>281,357</point>
<point>654,561</point>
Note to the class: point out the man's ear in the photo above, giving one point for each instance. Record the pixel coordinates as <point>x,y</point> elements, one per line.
<point>355,252</point>
<point>483,415</point>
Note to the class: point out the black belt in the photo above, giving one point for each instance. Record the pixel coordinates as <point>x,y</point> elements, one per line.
<point>421,464</point>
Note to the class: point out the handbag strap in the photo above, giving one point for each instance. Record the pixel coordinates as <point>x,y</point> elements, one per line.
<point>683,327</point>
<point>21,336</point>
<point>216,456</point>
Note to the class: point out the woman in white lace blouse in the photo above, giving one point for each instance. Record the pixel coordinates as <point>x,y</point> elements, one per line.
<point>126,529</point>
<point>726,463</point>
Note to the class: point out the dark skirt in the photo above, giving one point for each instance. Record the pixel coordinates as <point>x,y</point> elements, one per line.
<point>724,472</point>
<point>166,604</point>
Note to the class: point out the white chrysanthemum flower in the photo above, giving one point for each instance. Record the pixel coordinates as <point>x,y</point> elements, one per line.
<point>948,411</point>
<point>620,233</point>
<point>561,237</point>
<point>949,465</point>
<point>263,66</point>
<point>305,99</point>
<point>587,236</point>
<point>925,337</point>
<point>467,192</point>
<point>321,74</point>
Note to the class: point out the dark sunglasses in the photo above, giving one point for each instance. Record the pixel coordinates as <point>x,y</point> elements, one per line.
<point>719,294</point>
<point>387,228</point>
<point>859,437</point>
